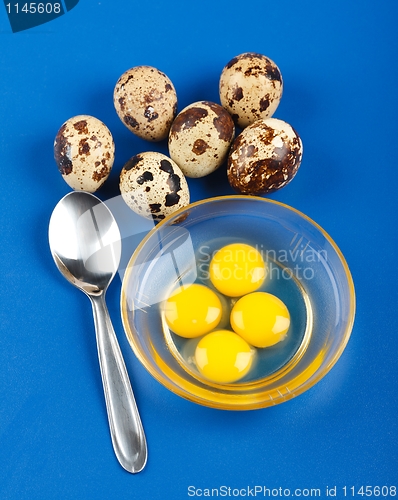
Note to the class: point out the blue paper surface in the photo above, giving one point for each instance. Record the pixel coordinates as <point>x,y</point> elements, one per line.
<point>339,64</point>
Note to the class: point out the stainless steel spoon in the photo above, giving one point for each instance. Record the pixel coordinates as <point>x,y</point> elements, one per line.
<point>86,246</point>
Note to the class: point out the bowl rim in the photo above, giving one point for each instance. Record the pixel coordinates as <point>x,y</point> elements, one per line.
<point>307,384</point>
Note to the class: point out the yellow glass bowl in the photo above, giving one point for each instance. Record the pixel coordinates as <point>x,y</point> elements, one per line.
<point>304,263</point>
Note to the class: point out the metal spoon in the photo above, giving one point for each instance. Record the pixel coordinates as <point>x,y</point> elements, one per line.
<point>86,246</point>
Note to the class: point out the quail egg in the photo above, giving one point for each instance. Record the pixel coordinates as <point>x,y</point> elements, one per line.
<point>146,101</point>
<point>84,152</point>
<point>200,138</point>
<point>250,88</point>
<point>153,186</point>
<point>264,157</point>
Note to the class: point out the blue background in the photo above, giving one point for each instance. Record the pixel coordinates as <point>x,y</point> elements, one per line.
<point>339,63</point>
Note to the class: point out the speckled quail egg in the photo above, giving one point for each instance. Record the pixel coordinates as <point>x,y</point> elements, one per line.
<point>250,88</point>
<point>153,185</point>
<point>200,138</point>
<point>84,152</point>
<point>146,101</point>
<point>264,157</point>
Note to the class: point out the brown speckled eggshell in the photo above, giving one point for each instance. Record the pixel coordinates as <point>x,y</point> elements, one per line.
<point>264,157</point>
<point>84,152</point>
<point>153,186</point>
<point>200,138</point>
<point>146,101</point>
<point>251,88</point>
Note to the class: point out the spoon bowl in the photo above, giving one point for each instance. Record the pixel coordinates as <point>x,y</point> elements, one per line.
<point>85,243</point>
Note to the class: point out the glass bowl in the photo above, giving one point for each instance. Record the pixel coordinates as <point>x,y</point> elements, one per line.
<point>305,269</point>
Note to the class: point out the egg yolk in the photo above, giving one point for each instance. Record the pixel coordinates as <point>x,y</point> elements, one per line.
<point>223,357</point>
<point>261,319</point>
<point>237,269</point>
<point>192,310</point>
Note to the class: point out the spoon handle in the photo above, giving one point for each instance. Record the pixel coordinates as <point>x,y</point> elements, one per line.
<point>126,429</point>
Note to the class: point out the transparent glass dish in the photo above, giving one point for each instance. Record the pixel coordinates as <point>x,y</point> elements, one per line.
<point>305,269</point>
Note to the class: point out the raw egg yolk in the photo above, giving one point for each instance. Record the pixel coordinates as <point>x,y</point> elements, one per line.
<point>237,269</point>
<point>223,357</point>
<point>192,310</point>
<point>261,319</point>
